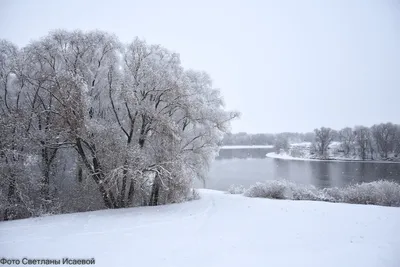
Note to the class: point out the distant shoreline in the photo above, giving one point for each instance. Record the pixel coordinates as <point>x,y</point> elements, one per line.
<point>246,147</point>
<point>287,157</point>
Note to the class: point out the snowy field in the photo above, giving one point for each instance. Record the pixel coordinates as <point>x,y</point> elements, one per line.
<point>218,230</point>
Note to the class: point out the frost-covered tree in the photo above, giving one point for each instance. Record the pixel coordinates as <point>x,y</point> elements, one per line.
<point>281,143</point>
<point>323,138</point>
<point>363,140</point>
<point>309,137</point>
<point>384,135</point>
<point>11,116</point>
<point>347,139</point>
<point>397,142</point>
<point>124,124</point>
<point>18,174</point>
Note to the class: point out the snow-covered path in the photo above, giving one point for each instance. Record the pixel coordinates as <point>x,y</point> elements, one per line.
<point>218,230</point>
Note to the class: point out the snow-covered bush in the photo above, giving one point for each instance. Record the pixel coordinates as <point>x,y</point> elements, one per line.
<point>194,195</point>
<point>333,194</point>
<point>297,152</point>
<point>302,192</point>
<point>390,192</point>
<point>236,189</point>
<point>269,189</point>
<point>283,189</point>
<point>384,193</point>
<point>281,144</point>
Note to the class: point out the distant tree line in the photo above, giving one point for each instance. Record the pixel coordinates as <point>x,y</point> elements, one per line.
<point>381,141</point>
<point>242,138</point>
<point>87,122</point>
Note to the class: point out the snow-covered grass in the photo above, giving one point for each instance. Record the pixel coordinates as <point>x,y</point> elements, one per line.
<point>384,193</point>
<point>217,230</point>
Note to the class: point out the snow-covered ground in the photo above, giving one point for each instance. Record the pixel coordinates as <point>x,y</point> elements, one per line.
<point>302,151</point>
<point>245,147</point>
<point>286,156</point>
<point>218,230</point>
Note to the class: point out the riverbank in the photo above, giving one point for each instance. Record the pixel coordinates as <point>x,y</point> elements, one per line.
<point>217,230</point>
<point>333,159</point>
<point>246,147</point>
<point>303,151</point>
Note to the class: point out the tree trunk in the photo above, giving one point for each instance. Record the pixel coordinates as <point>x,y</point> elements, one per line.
<point>6,216</point>
<point>131,192</point>
<point>80,174</point>
<point>108,196</point>
<point>97,175</point>
<point>45,185</point>
<point>154,192</point>
<point>11,197</point>
<point>121,197</point>
<point>108,201</point>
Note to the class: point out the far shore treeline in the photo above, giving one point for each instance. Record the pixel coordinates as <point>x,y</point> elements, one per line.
<point>380,141</point>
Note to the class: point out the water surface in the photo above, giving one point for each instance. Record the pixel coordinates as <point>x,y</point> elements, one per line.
<point>224,172</point>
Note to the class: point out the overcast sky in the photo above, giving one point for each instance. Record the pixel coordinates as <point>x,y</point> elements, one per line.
<point>286,65</point>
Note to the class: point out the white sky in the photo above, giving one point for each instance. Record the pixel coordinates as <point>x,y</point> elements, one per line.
<point>286,65</point>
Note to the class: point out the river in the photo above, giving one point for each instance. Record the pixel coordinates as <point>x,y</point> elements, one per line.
<point>247,171</point>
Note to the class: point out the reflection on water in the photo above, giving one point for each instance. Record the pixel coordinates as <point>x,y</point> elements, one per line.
<point>282,169</point>
<point>322,175</point>
<point>246,172</point>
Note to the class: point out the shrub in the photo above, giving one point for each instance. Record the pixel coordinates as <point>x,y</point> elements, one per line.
<point>333,194</point>
<point>384,193</point>
<point>236,189</point>
<point>193,195</point>
<point>283,189</point>
<point>269,189</point>
<point>302,192</point>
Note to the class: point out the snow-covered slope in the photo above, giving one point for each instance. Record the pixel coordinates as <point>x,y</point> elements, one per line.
<point>218,230</point>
